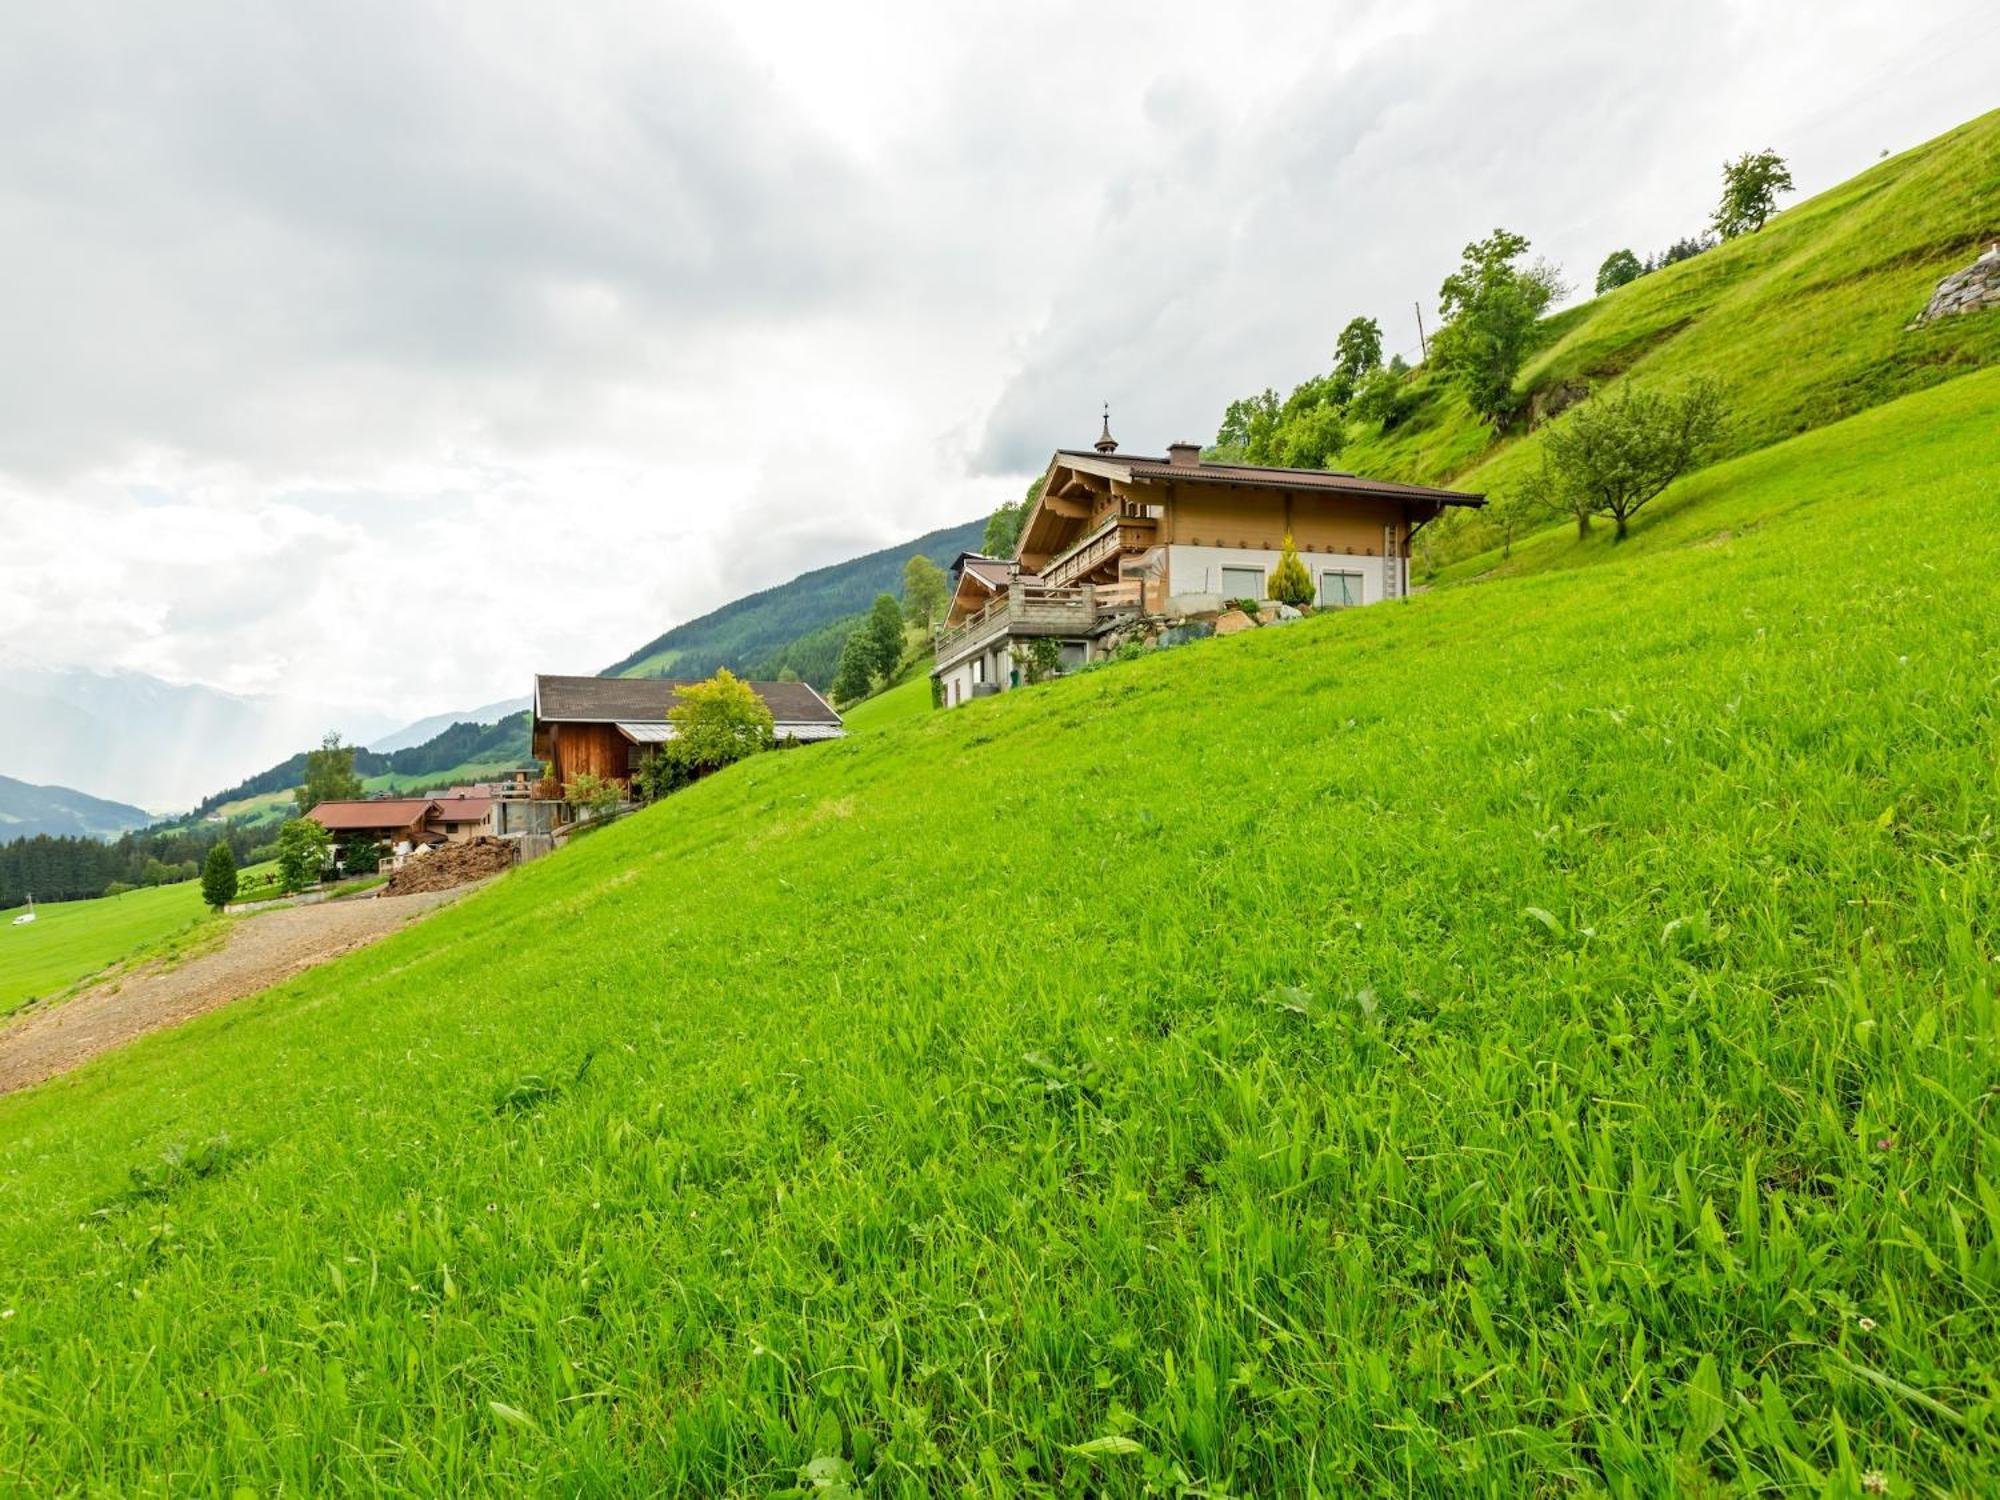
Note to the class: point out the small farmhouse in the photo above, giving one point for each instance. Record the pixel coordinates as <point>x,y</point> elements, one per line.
<point>1116,537</point>
<point>395,821</point>
<point>605,725</point>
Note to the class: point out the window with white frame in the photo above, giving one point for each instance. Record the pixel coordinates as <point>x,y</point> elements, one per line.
<point>1339,589</point>
<point>1242,583</point>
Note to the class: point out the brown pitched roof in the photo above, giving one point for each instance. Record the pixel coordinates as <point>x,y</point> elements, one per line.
<point>371,813</point>
<point>463,809</point>
<point>645,700</point>
<point>1269,476</point>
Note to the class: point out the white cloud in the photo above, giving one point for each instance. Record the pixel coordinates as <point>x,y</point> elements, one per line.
<point>405,351</point>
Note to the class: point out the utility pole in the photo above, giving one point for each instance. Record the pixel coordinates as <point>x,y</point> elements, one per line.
<point>1423,344</point>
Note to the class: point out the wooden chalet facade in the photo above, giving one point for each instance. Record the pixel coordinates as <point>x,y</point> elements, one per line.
<point>605,725</point>
<point>1115,536</point>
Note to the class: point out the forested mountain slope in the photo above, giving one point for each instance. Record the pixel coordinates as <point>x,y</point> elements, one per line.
<point>798,625</point>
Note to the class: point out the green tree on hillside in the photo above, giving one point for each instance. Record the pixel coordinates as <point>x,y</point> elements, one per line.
<point>1249,428</point>
<point>218,877</point>
<point>1358,350</point>
<point>1750,188</point>
<point>720,721</point>
<point>1385,398</point>
<point>1619,268</point>
<point>853,677</point>
<point>330,775</point>
<point>1003,527</point>
<point>1290,582</point>
<point>884,635</point>
<point>1491,305</point>
<point>923,591</point>
<point>302,846</point>
<point>1610,455</point>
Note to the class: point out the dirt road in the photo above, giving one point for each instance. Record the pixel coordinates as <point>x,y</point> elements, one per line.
<point>259,951</point>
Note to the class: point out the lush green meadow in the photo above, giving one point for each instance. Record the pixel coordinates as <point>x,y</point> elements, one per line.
<point>906,700</point>
<point>1537,1038</point>
<point>71,939</point>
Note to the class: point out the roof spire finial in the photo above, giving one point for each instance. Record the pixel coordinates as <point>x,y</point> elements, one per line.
<point>1106,443</point>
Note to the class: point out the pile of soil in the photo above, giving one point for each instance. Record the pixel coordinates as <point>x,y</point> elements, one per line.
<point>450,865</point>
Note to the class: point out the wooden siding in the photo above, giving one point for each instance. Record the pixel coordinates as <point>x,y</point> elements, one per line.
<point>597,748</point>
<point>1259,519</point>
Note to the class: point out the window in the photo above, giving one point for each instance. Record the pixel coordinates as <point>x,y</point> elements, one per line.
<point>978,669</point>
<point>1242,583</point>
<point>1338,590</point>
<point>1074,653</point>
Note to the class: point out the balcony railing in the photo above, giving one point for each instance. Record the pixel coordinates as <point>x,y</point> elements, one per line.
<point>1118,535</point>
<point>1036,609</point>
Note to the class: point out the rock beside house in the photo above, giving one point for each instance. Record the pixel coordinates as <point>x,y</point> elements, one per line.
<point>1973,289</point>
<point>450,865</point>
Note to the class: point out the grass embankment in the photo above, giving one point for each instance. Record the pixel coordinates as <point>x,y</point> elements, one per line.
<point>1802,324</point>
<point>906,700</point>
<point>1535,1038</point>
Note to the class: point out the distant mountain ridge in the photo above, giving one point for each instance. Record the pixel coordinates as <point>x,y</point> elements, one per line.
<point>59,811</point>
<point>412,735</point>
<point>142,739</point>
<point>797,626</point>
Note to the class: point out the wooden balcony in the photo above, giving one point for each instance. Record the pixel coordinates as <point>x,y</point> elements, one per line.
<point>1117,536</point>
<point>1037,609</point>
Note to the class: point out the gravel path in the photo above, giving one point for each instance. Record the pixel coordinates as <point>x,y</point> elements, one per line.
<point>260,951</point>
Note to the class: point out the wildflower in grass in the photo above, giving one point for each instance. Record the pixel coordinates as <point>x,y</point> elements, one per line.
<point>1866,1325</point>
<point>6,1313</point>
<point>1874,1482</point>
<point>492,1208</point>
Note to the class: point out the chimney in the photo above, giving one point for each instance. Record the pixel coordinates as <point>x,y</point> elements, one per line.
<point>1184,455</point>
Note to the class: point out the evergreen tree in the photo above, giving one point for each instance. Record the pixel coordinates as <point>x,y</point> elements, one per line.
<point>1290,582</point>
<point>218,877</point>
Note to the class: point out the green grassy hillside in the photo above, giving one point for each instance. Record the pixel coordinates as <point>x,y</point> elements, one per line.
<point>1536,1038</point>
<point>1803,323</point>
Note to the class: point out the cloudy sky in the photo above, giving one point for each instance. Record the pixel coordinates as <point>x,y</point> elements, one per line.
<point>393,352</point>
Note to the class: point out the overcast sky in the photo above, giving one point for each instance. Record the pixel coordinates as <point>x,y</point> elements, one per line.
<point>392,353</point>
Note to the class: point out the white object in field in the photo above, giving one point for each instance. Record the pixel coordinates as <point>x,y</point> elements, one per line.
<point>27,916</point>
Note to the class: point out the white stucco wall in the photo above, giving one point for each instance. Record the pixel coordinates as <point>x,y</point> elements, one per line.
<point>1195,570</point>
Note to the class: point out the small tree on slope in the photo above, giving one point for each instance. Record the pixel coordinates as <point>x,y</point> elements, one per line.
<point>302,846</point>
<point>1290,582</point>
<point>1750,188</point>
<point>719,721</point>
<point>218,876</point>
<point>1610,455</point>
